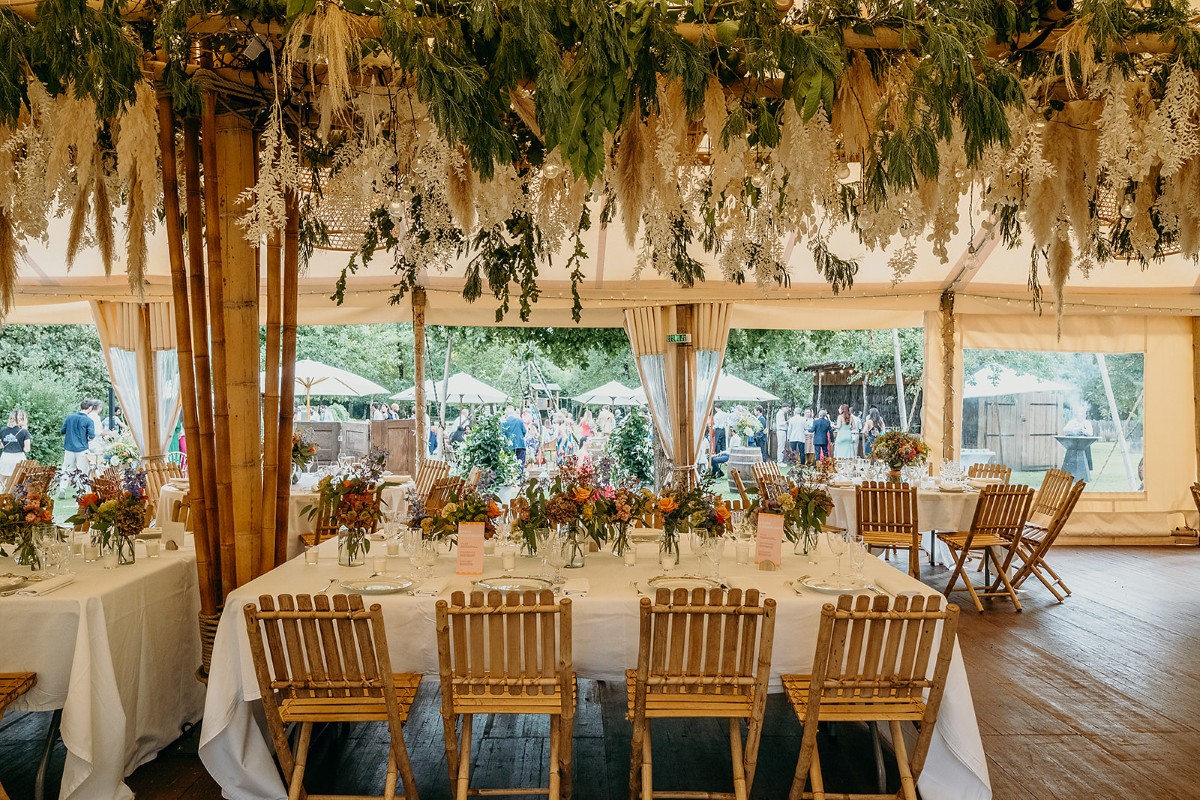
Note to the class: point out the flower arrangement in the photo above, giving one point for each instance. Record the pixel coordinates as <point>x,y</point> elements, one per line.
<point>899,449</point>
<point>527,512</point>
<point>353,502</point>
<point>622,507</point>
<point>467,505</point>
<point>577,501</point>
<point>804,508</point>
<point>691,506</point>
<point>746,426</point>
<point>116,513</point>
<point>19,513</point>
<point>304,448</point>
<point>121,451</point>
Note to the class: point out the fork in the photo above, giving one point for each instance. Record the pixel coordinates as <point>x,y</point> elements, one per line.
<point>332,581</point>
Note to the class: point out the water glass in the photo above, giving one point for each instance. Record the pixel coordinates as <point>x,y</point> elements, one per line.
<point>312,555</point>
<point>837,545</point>
<point>715,552</point>
<point>558,553</point>
<point>424,557</point>
<point>153,548</point>
<point>858,554</point>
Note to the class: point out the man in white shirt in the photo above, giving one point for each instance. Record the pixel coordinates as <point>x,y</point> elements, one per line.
<point>781,425</point>
<point>720,426</point>
<point>795,434</point>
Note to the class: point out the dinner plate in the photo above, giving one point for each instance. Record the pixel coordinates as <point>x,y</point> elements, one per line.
<point>380,584</point>
<point>513,583</point>
<point>830,584</point>
<point>689,582</point>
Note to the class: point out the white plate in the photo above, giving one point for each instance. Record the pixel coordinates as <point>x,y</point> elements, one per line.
<point>952,488</point>
<point>513,583</point>
<point>831,585</point>
<point>10,581</point>
<point>688,582</point>
<point>380,584</point>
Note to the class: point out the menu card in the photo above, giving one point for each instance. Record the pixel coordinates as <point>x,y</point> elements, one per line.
<point>470,549</point>
<point>768,540</point>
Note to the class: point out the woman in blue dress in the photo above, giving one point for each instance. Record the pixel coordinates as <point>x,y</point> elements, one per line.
<point>843,443</point>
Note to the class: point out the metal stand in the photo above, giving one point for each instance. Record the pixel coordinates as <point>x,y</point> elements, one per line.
<point>39,788</point>
<point>877,747</point>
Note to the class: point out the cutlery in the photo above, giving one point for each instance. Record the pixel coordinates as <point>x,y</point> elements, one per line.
<point>332,581</point>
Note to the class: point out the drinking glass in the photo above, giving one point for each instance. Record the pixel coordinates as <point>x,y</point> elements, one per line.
<point>697,539</point>
<point>558,553</point>
<point>837,545</point>
<point>858,554</point>
<point>424,557</point>
<point>715,551</point>
<point>543,536</point>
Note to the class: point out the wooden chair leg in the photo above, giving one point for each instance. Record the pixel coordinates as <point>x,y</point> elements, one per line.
<point>808,752</point>
<point>554,792</point>
<point>1061,584</point>
<point>908,785</point>
<point>740,788</point>
<point>296,782</point>
<point>960,559</point>
<point>464,759</point>
<point>647,767</point>
<point>636,755</point>
<point>968,583</point>
<point>567,760</point>
<point>450,732</point>
<point>389,780</point>
<point>399,754</point>
<point>1002,576</point>
<point>814,771</point>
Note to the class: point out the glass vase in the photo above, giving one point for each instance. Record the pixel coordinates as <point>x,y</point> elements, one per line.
<point>576,542</point>
<point>26,552</point>
<point>297,471</point>
<point>352,547</point>
<point>805,541</point>
<point>125,551</point>
<point>621,543</point>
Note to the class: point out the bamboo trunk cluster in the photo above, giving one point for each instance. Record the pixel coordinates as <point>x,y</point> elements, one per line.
<point>238,492</point>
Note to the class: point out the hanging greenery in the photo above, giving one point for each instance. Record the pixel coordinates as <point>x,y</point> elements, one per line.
<point>491,134</point>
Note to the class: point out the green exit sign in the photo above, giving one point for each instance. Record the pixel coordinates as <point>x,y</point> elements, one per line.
<point>679,338</point>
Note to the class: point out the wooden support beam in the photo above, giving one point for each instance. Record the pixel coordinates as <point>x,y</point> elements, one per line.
<point>147,385</point>
<point>422,432</point>
<point>949,405</point>
<point>203,455</point>
<point>287,372</point>
<point>274,460</point>
<point>205,569</point>
<point>685,388</point>
<point>235,165</point>
<point>1196,386</point>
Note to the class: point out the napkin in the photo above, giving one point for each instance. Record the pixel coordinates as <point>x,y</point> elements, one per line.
<point>47,586</point>
<point>432,587</point>
<point>738,582</point>
<point>576,587</point>
<point>898,587</point>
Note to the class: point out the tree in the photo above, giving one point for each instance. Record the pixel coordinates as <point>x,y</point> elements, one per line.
<point>47,399</point>
<point>71,352</point>
<point>487,448</point>
<point>630,448</point>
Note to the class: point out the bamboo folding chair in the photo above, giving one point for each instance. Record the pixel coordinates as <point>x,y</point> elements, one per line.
<point>874,662</point>
<point>1034,543</point>
<point>18,475</point>
<point>997,525</point>
<point>1056,485</point>
<point>12,686</point>
<point>887,519</point>
<point>440,492</point>
<point>159,472</point>
<point>323,664</point>
<point>1001,471</point>
<point>701,655</point>
<point>1196,495</point>
<point>741,487</point>
<point>432,470</point>
<point>32,476</point>
<point>506,654</point>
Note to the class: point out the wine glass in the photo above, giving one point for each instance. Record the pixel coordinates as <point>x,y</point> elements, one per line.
<point>715,550</point>
<point>542,538</point>
<point>698,544</point>
<point>858,554</point>
<point>837,545</point>
<point>424,557</point>
<point>558,553</point>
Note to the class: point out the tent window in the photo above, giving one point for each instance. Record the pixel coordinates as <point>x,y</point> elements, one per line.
<point>1082,412</point>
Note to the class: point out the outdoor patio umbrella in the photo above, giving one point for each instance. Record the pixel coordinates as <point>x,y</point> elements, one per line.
<point>730,389</point>
<point>313,377</point>
<point>461,389</point>
<point>612,393</point>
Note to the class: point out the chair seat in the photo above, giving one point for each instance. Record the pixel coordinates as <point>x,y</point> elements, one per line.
<point>15,684</point>
<point>980,540</point>
<point>888,538</point>
<point>1033,533</point>
<point>736,702</point>
<point>851,709</point>
<point>351,709</point>
<point>511,703</point>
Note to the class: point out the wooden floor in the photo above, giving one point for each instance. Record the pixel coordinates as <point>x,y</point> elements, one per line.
<point>1095,698</point>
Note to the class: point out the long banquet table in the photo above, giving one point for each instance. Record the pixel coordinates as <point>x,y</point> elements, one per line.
<point>116,651</point>
<point>605,621</point>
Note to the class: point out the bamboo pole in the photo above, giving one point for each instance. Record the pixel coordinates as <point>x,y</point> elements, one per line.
<point>287,384</point>
<point>231,570</point>
<point>949,415</point>
<point>1196,385</point>
<point>418,310</point>
<point>202,458</point>
<point>206,574</point>
<point>235,166</point>
<point>685,377</point>
<point>901,401</point>
<point>274,461</point>
<point>148,387</point>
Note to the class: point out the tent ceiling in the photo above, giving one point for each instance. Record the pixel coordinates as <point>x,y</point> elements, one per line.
<point>993,277</point>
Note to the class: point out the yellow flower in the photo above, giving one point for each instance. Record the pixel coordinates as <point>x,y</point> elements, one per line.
<point>427,524</point>
<point>449,509</point>
<point>787,502</point>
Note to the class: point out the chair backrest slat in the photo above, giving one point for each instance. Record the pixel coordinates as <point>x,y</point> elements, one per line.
<point>432,470</point>
<point>1001,471</point>
<point>1002,511</point>
<point>886,507</point>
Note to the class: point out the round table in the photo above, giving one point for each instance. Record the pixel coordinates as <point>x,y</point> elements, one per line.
<point>936,511</point>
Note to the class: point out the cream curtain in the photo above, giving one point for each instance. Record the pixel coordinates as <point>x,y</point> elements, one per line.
<point>679,380</point>
<point>138,340</point>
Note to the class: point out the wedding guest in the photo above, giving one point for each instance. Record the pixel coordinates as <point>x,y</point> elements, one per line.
<point>720,426</point>
<point>822,433</point>
<point>514,431</point>
<point>781,431</point>
<point>605,421</point>
<point>78,431</point>
<point>843,441</point>
<point>795,434</point>
<point>16,440</point>
<point>871,429</point>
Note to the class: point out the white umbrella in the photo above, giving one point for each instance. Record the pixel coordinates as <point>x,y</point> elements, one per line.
<point>313,377</point>
<point>730,389</point>
<point>999,381</point>
<point>611,394</point>
<point>461,389</point>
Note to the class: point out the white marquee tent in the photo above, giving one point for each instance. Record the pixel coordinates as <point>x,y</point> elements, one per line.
<point>977,299</point>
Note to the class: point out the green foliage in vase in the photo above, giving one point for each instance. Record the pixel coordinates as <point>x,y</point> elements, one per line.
<point>487,448</point>
<point>630,448</point>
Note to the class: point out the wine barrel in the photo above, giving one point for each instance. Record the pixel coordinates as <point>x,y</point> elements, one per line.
<point>743,460</point>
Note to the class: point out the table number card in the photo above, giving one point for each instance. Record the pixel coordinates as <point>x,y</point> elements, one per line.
<point>768,539</point>
<point>470,549</point>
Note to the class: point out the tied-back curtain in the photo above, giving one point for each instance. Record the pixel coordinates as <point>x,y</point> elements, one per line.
<point>138,340</point>
<point>679,380</point>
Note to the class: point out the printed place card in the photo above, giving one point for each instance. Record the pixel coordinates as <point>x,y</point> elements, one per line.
<point>470,548</point>
<point>768,540</point>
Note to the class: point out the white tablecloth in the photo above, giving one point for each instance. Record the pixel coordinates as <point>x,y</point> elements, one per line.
<point>237,754</point>
<point>117,651</point>
<point>394,498</point>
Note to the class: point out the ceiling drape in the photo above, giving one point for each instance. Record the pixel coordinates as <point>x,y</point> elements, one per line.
<point>679,379</point>
<point>138,340</point>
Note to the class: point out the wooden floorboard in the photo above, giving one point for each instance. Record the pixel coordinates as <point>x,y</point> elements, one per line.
<point>1095,698</point>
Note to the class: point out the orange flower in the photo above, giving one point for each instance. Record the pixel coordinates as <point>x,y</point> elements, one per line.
<point>581,495</point>
<point>723,513</point>
<point>667,504</point>
<point>493,510</point>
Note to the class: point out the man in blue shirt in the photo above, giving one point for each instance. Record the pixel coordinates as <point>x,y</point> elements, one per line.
<point>514,430</point>
<point>77,430</point>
